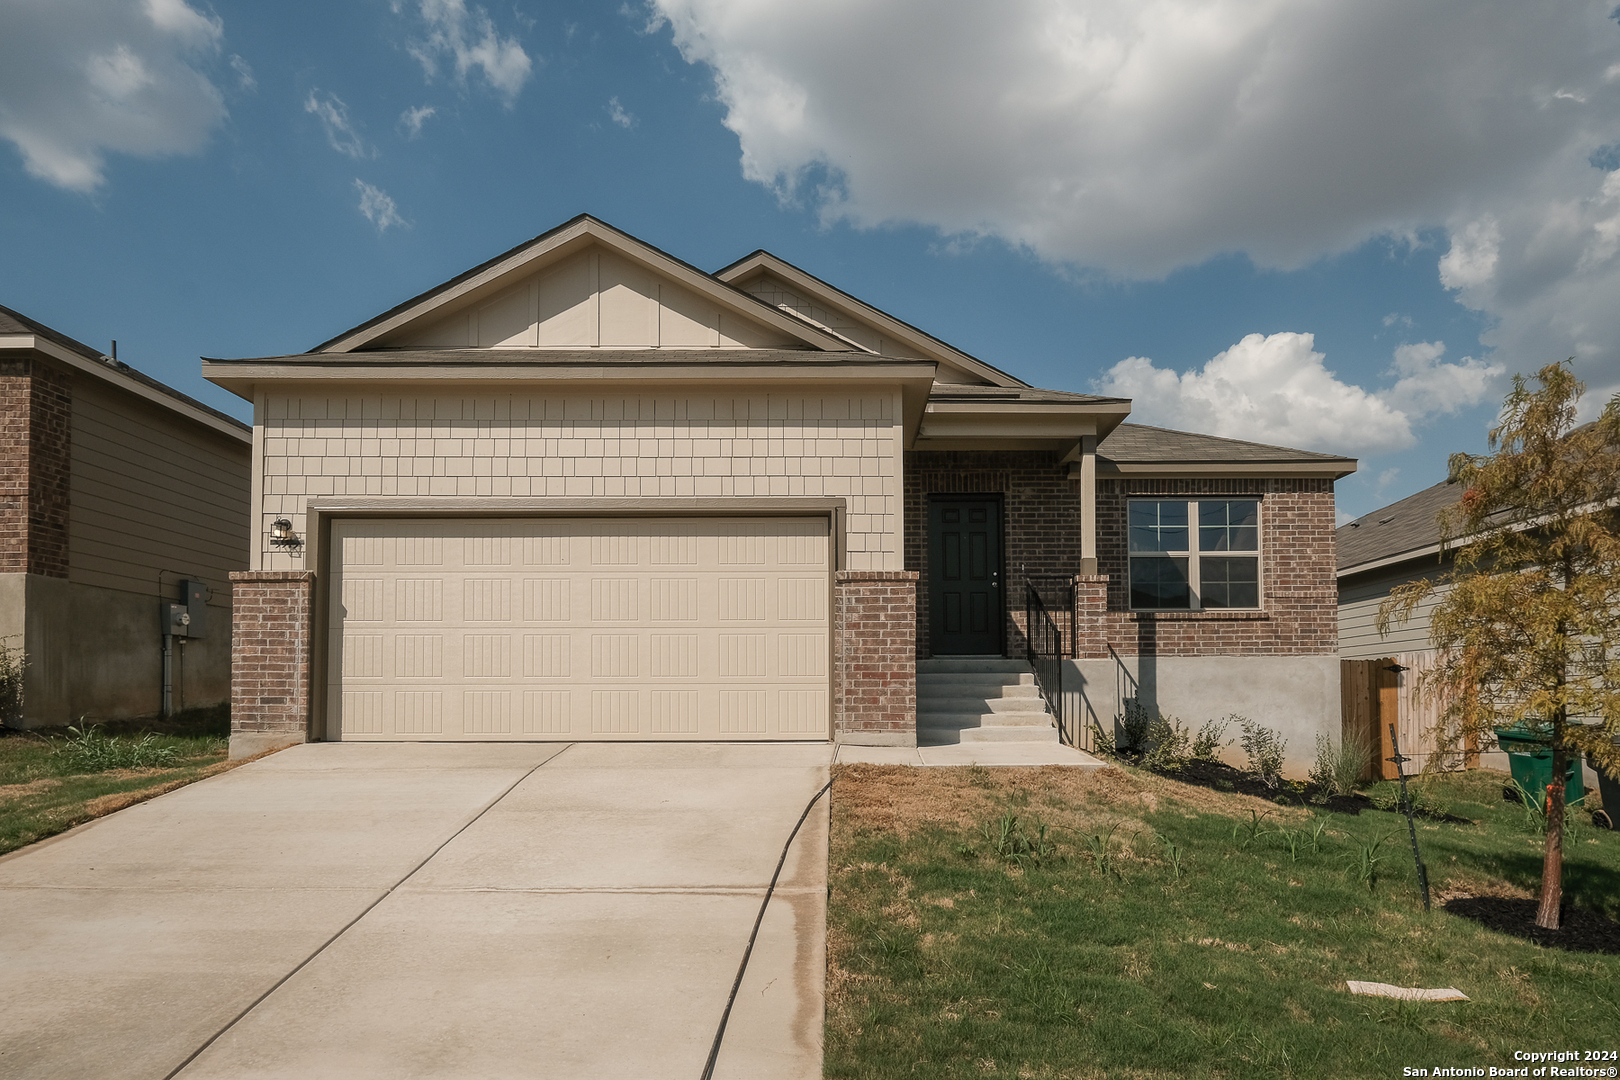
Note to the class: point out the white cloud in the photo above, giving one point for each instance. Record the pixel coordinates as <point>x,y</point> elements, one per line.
<point>378,206</point>
<point>1278,390</point>
<point>617,114</point>
<point>1136,137</point>
<point>1428,387</point>
<point>83,78</point>
<point>412,119</point>
<point>469,38</point>
<point>244,74</point>
<point>340,130</point>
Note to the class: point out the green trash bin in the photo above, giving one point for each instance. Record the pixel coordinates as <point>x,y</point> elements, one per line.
<point>1530,761</point>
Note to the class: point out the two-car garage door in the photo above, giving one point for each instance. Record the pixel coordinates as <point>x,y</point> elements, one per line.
<point>579,628</point>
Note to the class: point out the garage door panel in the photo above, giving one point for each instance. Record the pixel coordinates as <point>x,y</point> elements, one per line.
<point>578,628</point>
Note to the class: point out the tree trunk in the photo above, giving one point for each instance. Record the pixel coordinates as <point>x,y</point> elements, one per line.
<point>1552,866</point>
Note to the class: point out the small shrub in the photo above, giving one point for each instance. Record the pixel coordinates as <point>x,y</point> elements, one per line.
<point>1265,750</point>
<point>1133,724</point>
<point>1338,767</point>
<point>91,750</point>
<point>1207,744</point>
<point>1168,745</point>
<point>12,663</point>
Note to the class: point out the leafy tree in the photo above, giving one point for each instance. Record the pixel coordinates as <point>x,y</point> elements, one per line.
<point>1529,629</point>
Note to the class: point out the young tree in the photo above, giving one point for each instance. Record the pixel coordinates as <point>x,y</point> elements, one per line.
<point>1527,621</point>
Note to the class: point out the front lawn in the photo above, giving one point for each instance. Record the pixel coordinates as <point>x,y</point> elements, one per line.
<point>54,779</point>
<point>1157,929</point>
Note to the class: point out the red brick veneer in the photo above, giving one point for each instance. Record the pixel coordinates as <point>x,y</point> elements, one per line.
<point>1041,521</point>
<point>271,654</point>
<point>875,676</point>
<point>36,428</point>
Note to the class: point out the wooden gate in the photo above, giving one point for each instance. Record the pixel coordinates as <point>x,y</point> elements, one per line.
<point>1376,693</point>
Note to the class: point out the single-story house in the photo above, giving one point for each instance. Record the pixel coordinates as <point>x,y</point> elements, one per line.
<point>588,491</point>
<point>123,506</point>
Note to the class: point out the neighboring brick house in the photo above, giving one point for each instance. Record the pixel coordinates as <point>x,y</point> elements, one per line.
<point>586,490</point>
<point>114,489</point>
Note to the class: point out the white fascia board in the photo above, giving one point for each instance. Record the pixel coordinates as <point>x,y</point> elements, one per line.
<point>888,324</point>
<point>1153,470</point>
<point>578,236</point>
<point>107,373</point>
<point>1389,560</point>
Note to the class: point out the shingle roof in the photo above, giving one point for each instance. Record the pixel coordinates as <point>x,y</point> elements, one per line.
<point>12,322</point>
<point>1139,443</point>
<point>595,357</point>
<point>1407,525</point>
<point>1021,394</point>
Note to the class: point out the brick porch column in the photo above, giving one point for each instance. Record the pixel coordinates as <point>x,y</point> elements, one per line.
<point>272,628</point>
<point>875,657</point>
<point>1090,617</point>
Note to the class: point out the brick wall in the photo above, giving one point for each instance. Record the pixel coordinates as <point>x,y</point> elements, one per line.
<point>1299,592</point>
<point>875,675</point>
<point>36,414</point>
<point>272,616</point>
<point>1041,520</point>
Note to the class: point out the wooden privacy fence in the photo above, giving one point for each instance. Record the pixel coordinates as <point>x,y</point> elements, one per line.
<point>1375,693</point>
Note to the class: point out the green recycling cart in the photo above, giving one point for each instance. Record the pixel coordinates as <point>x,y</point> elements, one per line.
<point>1530,759</point>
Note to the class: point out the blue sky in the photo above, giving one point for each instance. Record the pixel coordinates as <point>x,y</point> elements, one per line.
<point>1332,225</point>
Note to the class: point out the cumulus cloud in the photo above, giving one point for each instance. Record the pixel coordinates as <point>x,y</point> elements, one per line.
<point>1136,138</point>
<point>617,114</point>
<point>468,38</point>
<point>378,206</point>
<point>340,130</point>
<point>412,119</point>
<point>83,78</point>
<point>244,74</point>
<point>1279,390</point>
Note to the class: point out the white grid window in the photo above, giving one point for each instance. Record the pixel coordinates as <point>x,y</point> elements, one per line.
<point>1194,554</point>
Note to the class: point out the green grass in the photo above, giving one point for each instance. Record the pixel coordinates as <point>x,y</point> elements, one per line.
<point>54,779</point>
<point>1164,933</point>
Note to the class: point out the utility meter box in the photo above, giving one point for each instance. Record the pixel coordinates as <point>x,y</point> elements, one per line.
<point>189,617</point>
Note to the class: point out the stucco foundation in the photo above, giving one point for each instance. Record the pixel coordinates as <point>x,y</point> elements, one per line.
<point>1297,696</point>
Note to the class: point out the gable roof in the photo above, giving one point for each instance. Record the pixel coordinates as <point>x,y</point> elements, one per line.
<point>752,265</point>
<point>1144,451</point>
<point>1407,527</point>
<point>18,331</point>
<point>570,237</point>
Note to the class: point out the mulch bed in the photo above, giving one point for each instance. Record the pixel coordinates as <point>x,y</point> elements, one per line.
<point>1579,930</point>
<point>1219,776</point>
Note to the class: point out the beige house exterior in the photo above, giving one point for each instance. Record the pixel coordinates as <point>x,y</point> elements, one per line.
<point>114,490</point>
<point>586,490</point>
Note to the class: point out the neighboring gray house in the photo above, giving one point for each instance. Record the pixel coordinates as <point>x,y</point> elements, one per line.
<point>114,489</point>
<point>588,491</point>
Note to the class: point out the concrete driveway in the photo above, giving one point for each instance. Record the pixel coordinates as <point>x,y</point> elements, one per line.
<point>414,910</point>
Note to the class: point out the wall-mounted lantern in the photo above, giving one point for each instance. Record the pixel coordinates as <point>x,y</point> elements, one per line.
<point>282,536</point>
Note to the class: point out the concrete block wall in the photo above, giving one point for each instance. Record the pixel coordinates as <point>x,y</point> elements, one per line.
<point>271,659</point>
<point>875,668</point>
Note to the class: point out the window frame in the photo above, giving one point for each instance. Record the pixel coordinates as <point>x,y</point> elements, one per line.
<point>1195,555</point>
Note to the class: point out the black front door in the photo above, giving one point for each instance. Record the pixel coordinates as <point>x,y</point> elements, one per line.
<point>964,576</point>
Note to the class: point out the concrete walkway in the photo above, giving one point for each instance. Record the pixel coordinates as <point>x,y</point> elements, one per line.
<point>416,910</point>
<point>985,753</point>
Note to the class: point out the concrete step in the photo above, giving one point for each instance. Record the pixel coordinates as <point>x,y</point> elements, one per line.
<point>964,665</point>
<point>978,719</point>
<point>975,678</point>
<point>996,707</point>
<point>927,691</point>
<point>942,736</point>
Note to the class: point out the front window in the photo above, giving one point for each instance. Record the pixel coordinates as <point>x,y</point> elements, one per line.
<point>1189,555</point>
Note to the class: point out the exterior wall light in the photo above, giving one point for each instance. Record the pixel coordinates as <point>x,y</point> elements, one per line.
<point>282,536</point>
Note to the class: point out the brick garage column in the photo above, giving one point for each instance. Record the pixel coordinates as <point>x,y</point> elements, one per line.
<point>272,629</point>
<point>875,657</point>
<point>36,431</point>
<point>1091,617</point>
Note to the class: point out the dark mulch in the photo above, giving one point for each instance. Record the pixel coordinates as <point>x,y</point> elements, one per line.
<point>1579,930</point>
<point>1219,776</point>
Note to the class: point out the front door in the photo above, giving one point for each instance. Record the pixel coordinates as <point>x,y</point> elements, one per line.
<point>964,576</point>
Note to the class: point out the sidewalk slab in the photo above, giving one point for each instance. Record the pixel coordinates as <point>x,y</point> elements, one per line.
<point>987,753</point>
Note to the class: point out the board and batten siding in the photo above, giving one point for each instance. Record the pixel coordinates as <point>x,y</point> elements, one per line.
<point>1359,599</point>
<point>584,445</point>
<point>153,493</point>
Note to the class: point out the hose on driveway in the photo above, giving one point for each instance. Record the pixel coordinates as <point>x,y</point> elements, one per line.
<point>720,1032</point>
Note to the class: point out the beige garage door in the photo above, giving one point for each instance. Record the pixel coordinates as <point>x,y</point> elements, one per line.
<point>601,628</point>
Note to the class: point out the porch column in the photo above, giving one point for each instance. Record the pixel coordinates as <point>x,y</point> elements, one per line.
<point>875,657</point>
<point>1088,505</point>
<point>272,622</point>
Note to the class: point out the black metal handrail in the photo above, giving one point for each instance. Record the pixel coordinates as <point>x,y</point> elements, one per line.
<point>1043,644</point>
